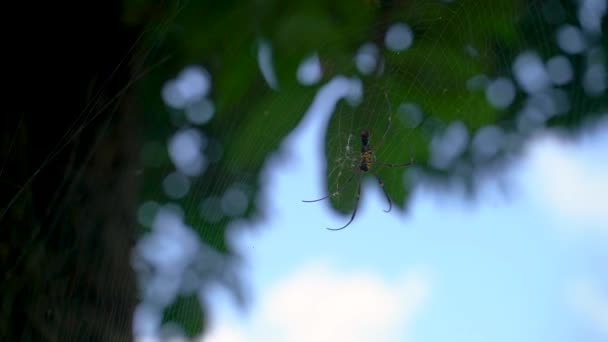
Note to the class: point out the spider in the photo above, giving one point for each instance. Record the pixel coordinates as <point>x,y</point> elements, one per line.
<point>367,161</point>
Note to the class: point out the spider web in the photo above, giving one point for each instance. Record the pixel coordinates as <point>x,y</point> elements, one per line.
<point>463,103</point>
<point>425,68</point>
<point>460,105</point>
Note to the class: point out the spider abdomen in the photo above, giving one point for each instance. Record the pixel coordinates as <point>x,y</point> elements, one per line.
<point>366,161</point>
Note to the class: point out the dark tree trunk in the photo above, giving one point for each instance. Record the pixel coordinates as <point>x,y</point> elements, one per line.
<point>68,180</point>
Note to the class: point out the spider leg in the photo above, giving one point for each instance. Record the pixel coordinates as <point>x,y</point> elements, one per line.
<point>356,206</point>
<point>335,192</point>
<point>395,165</point>
<point>388,198</point>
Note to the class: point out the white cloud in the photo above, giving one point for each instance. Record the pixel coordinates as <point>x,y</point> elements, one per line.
<point>571,181</point>
<point>318,304</point>
<point>226,332</point>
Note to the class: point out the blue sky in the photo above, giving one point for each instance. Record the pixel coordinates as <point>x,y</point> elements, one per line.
<point>527,265</point>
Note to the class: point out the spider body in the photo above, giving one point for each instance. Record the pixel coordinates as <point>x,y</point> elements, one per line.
<point>366,152</point>
<point>366,163</point>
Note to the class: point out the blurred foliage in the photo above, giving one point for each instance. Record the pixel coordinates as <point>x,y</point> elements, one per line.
<point>453,42</point>
<point>186,311</point>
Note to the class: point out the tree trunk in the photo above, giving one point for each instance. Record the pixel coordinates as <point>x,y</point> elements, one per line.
<point>68,180</point>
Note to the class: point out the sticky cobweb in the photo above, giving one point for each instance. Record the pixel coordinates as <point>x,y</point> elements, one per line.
<point>460,88</point>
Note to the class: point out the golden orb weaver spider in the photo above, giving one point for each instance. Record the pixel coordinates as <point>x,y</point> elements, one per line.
<point>366,161</point>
